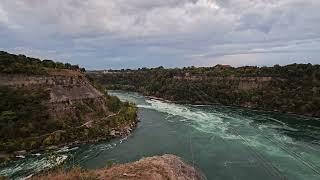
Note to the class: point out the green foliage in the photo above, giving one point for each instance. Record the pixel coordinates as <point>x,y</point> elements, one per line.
<point>25,123</point>
<point>8,117</point>
<point>19,108</point>
<point>292,88</point>
<point>95,83</point>
<point>20,64</point>
<point>113,103</point>
<point>126,115</point>
<point>48,141</point>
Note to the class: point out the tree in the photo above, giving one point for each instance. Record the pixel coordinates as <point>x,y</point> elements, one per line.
<point>7,118</point>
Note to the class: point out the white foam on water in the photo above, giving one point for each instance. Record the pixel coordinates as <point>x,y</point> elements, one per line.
<point>33,166</point>
<point>27,177</point>
<point>283,138</point>
<point>67,149</point>
<point>95,150</point>
<point>277,121</point>
<point>37,154</point>
<point>265,138</point>
<point>107,146</point>
<point>206,122</point>
<point>200,105</point>
<point>123,96</point>
<point>123,139</point>
<point>226,126</point>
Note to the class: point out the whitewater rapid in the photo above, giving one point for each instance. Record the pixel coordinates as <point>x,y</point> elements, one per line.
<point>264,140</point>
<point>224,142</point>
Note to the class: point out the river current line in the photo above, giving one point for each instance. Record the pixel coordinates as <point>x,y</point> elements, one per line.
<point>269,167</point>
<point>280,145</point>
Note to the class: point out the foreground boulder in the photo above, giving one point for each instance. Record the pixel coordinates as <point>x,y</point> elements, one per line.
<point>167,167</point>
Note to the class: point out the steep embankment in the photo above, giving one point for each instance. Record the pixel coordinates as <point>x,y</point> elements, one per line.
<point>57,108</point>
<point>293,88</point>
<point>167,167</point>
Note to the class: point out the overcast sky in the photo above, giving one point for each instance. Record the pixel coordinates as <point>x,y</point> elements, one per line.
<point>102,34</point>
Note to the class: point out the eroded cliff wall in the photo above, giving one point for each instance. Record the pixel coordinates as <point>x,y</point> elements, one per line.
<point>68,91</point>
<point>73,111</point>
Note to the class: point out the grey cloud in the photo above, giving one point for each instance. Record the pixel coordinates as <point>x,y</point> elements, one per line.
<point>122,33</point>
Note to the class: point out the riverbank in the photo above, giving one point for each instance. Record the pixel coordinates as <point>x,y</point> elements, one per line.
<point>294,88</point>
<point>206,103</point>
<point>60,108</point>
<point>207,136</point>
<point>113,133</point>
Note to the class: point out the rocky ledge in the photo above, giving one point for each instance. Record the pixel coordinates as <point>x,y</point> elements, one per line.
<point>167,167</point>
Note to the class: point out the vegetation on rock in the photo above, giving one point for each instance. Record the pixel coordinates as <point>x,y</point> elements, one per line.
<point>22,114</point>
<point>292,88</point>
<point>48,107</point>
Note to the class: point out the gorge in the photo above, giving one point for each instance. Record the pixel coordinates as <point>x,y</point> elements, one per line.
<point>293,88</point>
<point>49,107</point>
<point>223,142</point>
<point>58,121</point>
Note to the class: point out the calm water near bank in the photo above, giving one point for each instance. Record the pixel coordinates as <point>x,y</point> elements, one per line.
<point>224,142</point>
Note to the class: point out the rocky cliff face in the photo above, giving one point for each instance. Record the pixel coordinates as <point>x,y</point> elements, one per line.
<point>74,112</point>
<point>166,167</point>
<point>240,83</point>
<point>290,89</point>
<point>68,91</point>
<point>64,86</point>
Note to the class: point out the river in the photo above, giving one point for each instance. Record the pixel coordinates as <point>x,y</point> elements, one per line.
<point>225,143</point>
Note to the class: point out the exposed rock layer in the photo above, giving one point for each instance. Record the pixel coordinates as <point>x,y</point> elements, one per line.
<point>66,89</point>
<point>76,112</point>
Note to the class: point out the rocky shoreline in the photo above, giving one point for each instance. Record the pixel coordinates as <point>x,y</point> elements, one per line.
<point>114,133</point>
<point>166,167</point>
<point>247,106</point>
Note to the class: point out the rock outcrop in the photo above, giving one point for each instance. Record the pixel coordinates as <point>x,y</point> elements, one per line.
<point>68,90</point>
<point>75,112</point>
<point>166,167</point>
<point>239,83</point>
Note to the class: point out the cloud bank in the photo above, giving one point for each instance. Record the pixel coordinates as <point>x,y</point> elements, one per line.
<point>101,34</point>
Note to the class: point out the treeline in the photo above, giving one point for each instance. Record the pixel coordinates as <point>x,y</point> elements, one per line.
<point>21,64</point>
<point>292,88</point>
<point>287,71</point>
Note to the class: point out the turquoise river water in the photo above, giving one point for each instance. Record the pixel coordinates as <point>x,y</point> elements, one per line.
<point>223,142</point>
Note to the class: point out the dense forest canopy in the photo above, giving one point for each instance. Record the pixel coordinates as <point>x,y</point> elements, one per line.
<point>21,64</point>
<point>291,88</point>
<point>287,71</point>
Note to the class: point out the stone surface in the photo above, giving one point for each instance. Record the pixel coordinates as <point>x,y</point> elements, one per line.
<point>166,167</point>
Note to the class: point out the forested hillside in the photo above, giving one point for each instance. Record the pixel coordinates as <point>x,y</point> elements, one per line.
<point>14,64</point>
<point>292,88</point>
<point>45,104</point>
